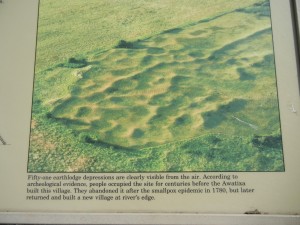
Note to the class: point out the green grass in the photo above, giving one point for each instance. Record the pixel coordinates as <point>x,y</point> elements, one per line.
<point>73,27</point>
<point>189,93</point>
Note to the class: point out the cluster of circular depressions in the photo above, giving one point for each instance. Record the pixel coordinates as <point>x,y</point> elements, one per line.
<point>172,86</point>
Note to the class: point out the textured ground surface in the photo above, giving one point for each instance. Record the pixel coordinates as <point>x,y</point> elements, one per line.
<point>200,96</point>
<point>175,85</point>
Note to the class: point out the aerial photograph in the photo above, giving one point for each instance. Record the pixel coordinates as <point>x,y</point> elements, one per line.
<point>124,86</point>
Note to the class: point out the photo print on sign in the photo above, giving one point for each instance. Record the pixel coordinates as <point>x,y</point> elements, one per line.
<point>125,87</point>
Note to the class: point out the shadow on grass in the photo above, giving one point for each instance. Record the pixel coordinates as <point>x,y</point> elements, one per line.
<point>245,75</point>
<point>213,119</point>
<point>272,141</point>
<point>172,31</point>
<point>223,52</point>
<point>74,63</point>
<point>260,9</point>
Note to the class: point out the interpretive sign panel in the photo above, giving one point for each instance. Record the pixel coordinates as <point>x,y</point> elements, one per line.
<point>149,107</point>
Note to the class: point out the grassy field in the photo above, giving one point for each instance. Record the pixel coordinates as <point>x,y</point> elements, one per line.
<point>129,87</point>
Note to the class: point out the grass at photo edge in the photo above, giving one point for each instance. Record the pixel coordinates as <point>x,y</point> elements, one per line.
<point>225,123</point>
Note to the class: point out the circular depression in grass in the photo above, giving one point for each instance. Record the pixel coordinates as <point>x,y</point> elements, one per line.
<point>138,133</point>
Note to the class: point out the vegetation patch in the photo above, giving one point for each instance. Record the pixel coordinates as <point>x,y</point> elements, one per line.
<point>74,63</point>
<point>138,133</point>
<point>125,44</point>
